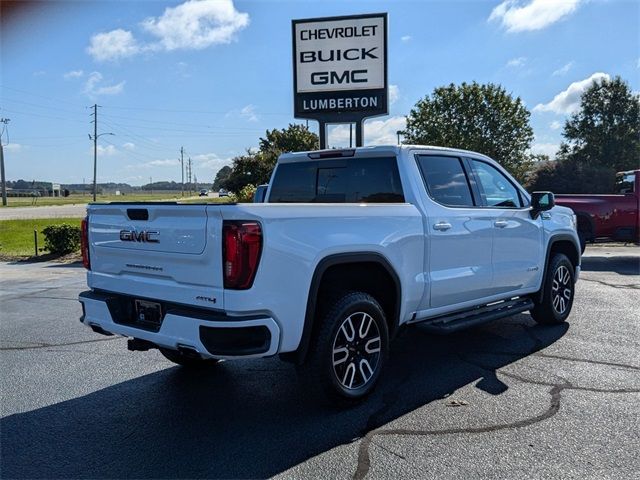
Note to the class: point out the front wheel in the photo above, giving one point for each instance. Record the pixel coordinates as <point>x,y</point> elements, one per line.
<point>558,292</point>
<point>349,349</point>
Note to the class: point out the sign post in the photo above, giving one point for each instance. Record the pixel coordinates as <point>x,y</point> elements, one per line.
<point>340,70</point>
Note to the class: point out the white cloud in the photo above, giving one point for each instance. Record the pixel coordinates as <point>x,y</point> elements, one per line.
<point>129,146</point>
<point>93,87</point>
<point>534,15</point>
<point>197,24</point>
<point>568,101</point>
<point>12,147</point>
<point>376,132</point>
<point>394,94</point>
<point>160,163</point>
<point>563,70</point>
<point>113,45</point>
<point>555,125</point>
<point>73,74</point>
<point>163,163</point>
<point>545,149</point>
<point>210,161</point>
<point>39,73</point>
<point>517,62</point>
<point>192,25</point>
<point>107,151</point>
<point>405,38</point>
<point>249,113</point>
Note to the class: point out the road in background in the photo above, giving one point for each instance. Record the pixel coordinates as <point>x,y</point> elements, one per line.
<point>511,399</point>
<point>60,211</point>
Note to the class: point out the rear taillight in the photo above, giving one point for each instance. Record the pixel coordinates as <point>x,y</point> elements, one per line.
<point>84,242</point>
<point>241,248</point>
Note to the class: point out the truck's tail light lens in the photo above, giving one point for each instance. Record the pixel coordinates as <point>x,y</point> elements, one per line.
<point>241,249</point>
<point>84,242</point>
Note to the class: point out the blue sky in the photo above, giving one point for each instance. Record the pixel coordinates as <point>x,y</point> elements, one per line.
<point>212,76</point>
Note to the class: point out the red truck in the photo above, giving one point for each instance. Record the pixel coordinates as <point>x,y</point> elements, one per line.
<point>608,217</point>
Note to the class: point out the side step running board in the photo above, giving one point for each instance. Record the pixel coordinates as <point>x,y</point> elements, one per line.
<point>477,316</point>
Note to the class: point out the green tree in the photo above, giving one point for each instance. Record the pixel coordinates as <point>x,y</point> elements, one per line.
<point>294,138</point>
<point>571,176</point>
<point>605,132</point>
<point>221,176</point>
<point>247,169</point>
<point>482,118</point>
<point>255,167</point>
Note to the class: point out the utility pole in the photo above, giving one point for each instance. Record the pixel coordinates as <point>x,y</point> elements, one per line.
<point>189,175</point>
<point>151,184</point>
<point>95,147</point>
<point>182,169</point>
<point>3,179</point>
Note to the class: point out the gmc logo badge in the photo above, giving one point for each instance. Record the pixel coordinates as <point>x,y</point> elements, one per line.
<point>143,236</point>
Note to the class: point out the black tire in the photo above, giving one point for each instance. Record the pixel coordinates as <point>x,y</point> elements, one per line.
<point>558,292</point>
<point>364,342</point>
<point>188,361</point>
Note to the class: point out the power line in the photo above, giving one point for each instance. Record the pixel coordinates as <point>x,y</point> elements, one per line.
<point>182,169</point>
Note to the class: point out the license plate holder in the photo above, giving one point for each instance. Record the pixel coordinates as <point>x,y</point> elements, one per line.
<point>148,313</point>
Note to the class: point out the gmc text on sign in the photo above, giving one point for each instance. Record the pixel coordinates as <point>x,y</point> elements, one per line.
<point>340,67</point>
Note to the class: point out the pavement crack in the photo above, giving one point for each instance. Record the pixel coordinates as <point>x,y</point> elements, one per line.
<point>555,392</point>
<point>51,345</point>
<point>364,461</point>
<point>628,286</point>
<point>586,360</point>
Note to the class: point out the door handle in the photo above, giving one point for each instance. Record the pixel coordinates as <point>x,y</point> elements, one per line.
<point>501,223</point>
<point>442,226</point>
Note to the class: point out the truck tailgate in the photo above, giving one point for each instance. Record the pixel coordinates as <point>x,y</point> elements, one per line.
<point>168,252</point>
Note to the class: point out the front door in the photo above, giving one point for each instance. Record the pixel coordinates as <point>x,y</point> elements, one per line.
<point>518,260</point>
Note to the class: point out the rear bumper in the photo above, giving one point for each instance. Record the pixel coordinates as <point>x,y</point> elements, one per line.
<point>212,334</point>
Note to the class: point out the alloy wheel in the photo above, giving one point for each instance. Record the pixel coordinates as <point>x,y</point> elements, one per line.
<point>356,350</point>
<point>561,289</point>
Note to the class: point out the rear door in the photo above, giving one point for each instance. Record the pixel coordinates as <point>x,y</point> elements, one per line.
<point>517,238</point>
<point>159,251</point>
<point>459,235</point>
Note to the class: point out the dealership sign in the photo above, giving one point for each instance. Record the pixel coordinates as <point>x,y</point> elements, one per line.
<point>340,68</point>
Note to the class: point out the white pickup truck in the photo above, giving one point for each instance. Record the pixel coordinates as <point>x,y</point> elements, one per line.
<point>348,247</point>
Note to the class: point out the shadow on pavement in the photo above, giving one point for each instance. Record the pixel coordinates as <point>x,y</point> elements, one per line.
<point>627,265</point>
<point>250,419</point>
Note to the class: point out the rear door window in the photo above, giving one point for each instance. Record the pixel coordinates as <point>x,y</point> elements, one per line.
<point>446,180</point>
<point>357,180</point>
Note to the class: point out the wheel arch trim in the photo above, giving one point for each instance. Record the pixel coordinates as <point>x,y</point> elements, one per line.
<point>299,355</point>
<point>559,237</point>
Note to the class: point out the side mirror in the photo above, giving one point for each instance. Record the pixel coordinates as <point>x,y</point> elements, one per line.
<point>261,192</point>
<point>541,202</point>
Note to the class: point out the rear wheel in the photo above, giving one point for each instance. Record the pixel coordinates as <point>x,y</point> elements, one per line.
<point>349,350</point>
<point>188,360</point>
<point>558,291</point>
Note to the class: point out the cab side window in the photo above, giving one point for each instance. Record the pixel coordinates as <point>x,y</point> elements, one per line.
<point>446,181</point>
<point>495,189</point>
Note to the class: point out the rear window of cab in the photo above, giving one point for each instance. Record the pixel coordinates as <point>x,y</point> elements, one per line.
<point>356,180</point>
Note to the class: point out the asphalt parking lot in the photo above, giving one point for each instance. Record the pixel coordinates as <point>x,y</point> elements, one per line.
<point>508,400</point>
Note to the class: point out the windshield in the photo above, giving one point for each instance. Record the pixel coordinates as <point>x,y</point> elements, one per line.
<point>625,182</point>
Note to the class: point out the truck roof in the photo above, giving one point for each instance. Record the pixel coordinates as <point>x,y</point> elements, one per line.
<point>374,150</point>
